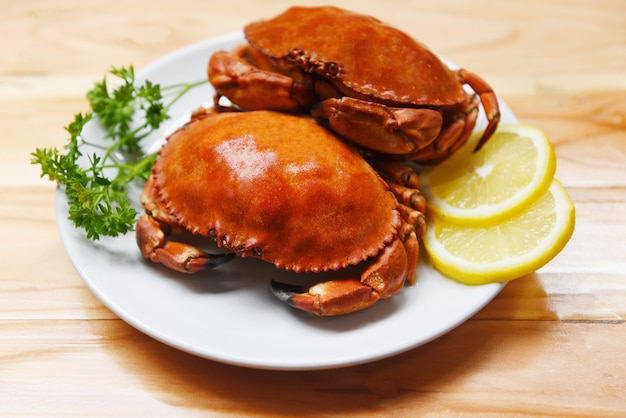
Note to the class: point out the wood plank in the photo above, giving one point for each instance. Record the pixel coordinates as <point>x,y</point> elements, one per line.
<point>504,367</point>
<point>39,281</point>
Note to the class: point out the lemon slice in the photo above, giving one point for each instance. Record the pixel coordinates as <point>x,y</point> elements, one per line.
<point>514,167</point>
<point>507,249</point>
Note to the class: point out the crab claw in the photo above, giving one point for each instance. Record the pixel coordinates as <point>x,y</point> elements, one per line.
<point>334,297</point>
<point>178,256</point>
<point>384,277</point>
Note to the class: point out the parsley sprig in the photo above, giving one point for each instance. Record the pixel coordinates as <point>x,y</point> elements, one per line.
<point>97,183</point>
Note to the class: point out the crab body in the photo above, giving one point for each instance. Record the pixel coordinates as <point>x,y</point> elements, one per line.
<point>286,190</point>
<point>366,80</point>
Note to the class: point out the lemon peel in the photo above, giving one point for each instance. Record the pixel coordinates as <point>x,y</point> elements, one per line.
<point>509,172</point>
<point>507,249</point>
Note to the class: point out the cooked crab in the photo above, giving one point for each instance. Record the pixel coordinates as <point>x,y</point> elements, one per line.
<point>286,190</point>
<point>366,80</point>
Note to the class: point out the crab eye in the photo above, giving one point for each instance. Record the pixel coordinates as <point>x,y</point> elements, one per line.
<point>332,69</point>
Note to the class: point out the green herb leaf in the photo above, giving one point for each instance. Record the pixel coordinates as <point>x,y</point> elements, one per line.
<point>98,201</point>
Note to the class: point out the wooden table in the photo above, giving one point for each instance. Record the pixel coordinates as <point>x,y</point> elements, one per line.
<point>552,343</point>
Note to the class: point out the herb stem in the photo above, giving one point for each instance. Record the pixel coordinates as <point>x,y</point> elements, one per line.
<point>99,204</point>
<point>181,90</point>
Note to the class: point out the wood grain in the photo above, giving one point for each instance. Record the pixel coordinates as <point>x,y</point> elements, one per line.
<point>550,344</point>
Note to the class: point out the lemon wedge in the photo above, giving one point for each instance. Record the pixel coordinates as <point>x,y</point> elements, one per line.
<point>514,167</point>
<point>507,249</point>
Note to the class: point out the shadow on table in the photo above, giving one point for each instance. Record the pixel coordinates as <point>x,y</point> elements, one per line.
<point>447,365</point>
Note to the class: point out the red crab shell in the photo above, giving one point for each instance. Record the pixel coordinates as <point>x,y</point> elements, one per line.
<point>367,81</point>
<point>277,187</point>
<point>394,69</point>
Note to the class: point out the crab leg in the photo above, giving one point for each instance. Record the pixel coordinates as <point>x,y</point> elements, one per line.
<point>252,88</point>
<point>458,128</point>
<point>489,100</point>
<point>410,238</point>
<point>415,219</point>
<point>398,172</point>
<point>379,127</point>
<point>381,279</point>
<point>407,196</point>
<point>177,256</point>
<point>404,183</point>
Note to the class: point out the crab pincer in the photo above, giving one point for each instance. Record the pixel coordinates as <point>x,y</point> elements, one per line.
<point>384,276</point>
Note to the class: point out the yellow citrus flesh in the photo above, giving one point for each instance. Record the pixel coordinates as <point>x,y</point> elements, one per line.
<point>514,167</point>
<point>507,249</point>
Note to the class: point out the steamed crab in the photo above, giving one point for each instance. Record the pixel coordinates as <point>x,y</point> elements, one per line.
<point>367,81</point>
<point>284,189</point>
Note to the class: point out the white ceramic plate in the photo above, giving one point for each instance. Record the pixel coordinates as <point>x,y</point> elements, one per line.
<point>229,314</point>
